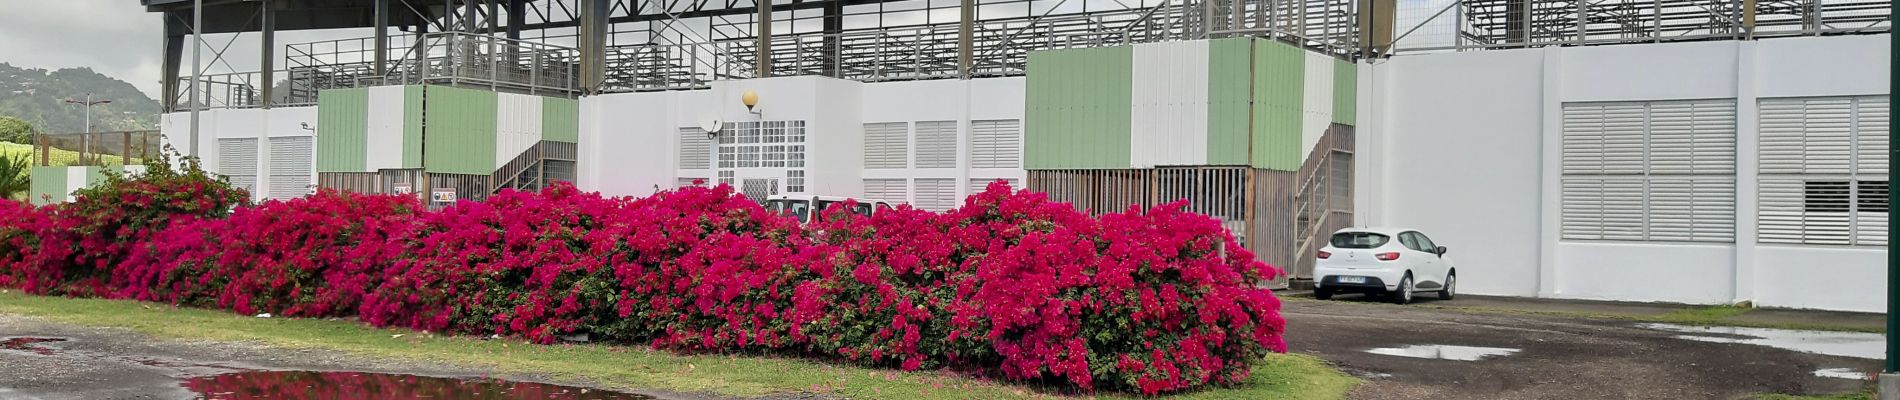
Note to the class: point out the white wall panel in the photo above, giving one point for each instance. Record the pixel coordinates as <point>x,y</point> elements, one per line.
<point>1317,110</point>
<point>385,128</point>
<point>1168,114</point>
<point>1698,274</point>
<point>517,125</point>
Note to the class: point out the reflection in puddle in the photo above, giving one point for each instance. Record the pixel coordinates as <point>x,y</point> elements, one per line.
<point>1845,344</point>
<point>1444,352</point>
<point>1843,373</point>
<point>27,344</point>
<point>294,385</point>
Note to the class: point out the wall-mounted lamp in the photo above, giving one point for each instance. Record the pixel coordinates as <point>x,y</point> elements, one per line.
<point>751,100</point>
<point>308,127</point>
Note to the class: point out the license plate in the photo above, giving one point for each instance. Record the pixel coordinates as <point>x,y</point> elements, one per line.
<point>1352,279</point>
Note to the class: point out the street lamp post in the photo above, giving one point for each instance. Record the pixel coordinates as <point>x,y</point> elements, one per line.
<point>85,141</point>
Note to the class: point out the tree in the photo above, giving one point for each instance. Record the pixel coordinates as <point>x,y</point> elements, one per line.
<point>15,176</point>
<point>15,130</point>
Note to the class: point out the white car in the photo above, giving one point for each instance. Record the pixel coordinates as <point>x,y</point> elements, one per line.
<point>800,206</point>
<point>1390,261</point>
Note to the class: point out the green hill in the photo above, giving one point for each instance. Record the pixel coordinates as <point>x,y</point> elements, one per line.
<point>37,96</point>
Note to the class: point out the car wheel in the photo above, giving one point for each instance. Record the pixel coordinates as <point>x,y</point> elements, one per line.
<point>1403,295</point>
<point>1451,287</point>
<point>1322,293</point>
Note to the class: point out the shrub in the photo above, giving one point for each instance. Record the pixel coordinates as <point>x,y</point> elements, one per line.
<point>1153,301</point>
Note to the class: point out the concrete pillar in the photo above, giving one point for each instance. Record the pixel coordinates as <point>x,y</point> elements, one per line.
<point>382,38</point>
<point>966,40</point>
<point>764,37</point>
<point>267,15</point>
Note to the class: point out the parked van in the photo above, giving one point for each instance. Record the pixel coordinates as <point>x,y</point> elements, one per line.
<point>801,206</point>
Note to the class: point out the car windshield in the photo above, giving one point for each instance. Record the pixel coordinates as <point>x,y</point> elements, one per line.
<point>797,209</point>
<point>1359,240</point>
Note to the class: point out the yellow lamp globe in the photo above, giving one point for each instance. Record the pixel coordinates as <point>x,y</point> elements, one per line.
<point>750,98</point>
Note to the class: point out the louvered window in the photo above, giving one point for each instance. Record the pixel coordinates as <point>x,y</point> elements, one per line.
<point>1649,171</point>
<point>936,194</point>
<point>889,190</point>
<point>978,185</point>
<point>1824,171</point>
<point>695,151</point>
<point>237,160</point>
<point>887,145</point>
<point>937,144</point>
<point>291,166</point>
<point>996,144</point>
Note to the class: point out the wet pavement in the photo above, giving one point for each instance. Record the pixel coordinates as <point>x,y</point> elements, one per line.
<point>1422,352</point>
<point>311,385</point>
<point>1404,352</point>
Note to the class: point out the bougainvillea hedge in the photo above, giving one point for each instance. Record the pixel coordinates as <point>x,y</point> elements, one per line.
<point>1150,301</point>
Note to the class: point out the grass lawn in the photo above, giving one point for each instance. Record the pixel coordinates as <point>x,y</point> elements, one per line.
<point>1277,377</point>
<point>1866,394</point>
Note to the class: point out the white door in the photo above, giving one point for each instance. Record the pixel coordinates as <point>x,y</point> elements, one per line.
<point>1440,267</point>
<point>1425,262</point>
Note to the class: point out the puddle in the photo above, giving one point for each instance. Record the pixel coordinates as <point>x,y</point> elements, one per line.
<point>1870,346</point>
<point>28,344</point>
<point>295,385</point>
<point>1444,352</point>
<point>1843,373</point>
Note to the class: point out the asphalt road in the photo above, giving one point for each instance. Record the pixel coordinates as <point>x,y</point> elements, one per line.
<point>1555,358</point>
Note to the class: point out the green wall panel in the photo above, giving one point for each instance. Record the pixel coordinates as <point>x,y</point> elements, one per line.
<point>412,106</point>
<point>1078,108</point>
<point>1279,83</point>
<point>1229,70</point>
<point>461,131</point>
<point>47,182</point>
<point>1345,92</point>
<point>560,120</point>
<point>343,130</point>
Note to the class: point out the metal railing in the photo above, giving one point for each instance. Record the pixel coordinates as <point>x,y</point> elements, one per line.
<point>1500,24</point>
<point>97,148</point>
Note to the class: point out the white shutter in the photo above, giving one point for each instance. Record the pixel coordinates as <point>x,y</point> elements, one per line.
<point>1692,137</point>
<point>890,190</point>
<point>1603,138</point>
<point>1782,137</point>
<point>978,185</point>
<point>292,160</point>
<point>936,194</point>
<point>1692,209</point>
<point>886,145</point>
<point>937,144</point>
<point>695,151</point>
<point>237,157</point>
<point>996,144</point>
<point>1871,119</point>
<point>1582,208</point>
<point>1781,211</point>
<point>1870,214</point>
<point>246,182</point>
<point>1623,209</point>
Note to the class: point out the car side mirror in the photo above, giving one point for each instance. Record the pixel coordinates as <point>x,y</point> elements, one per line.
<point>1442,250</point>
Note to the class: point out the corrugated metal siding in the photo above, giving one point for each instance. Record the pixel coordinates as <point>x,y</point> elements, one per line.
<point>384,138</point>
<point>518,122</point>
<point>887,145</point>
<point>1077,104</point>
<point>1168,104</point>
<point>937,144</point>
<point>695,150</point>
<point>996,144</point>
<point>1345,93</point>
<point>290,165</point>
<point>461,131</point>
<point>1278,84</point>
<point>48,186</point>
<point>561,120</point>
<point>1229,77</point>
<point>1316,107</point>
<point>890,190</point>
<point>343,130</point>
<point>412,108</point>
<point>936,194</point>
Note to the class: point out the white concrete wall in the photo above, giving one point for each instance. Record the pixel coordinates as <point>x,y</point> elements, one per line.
<point>629,140</point>
<point>175,128</point>
<point>1467,148</point>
